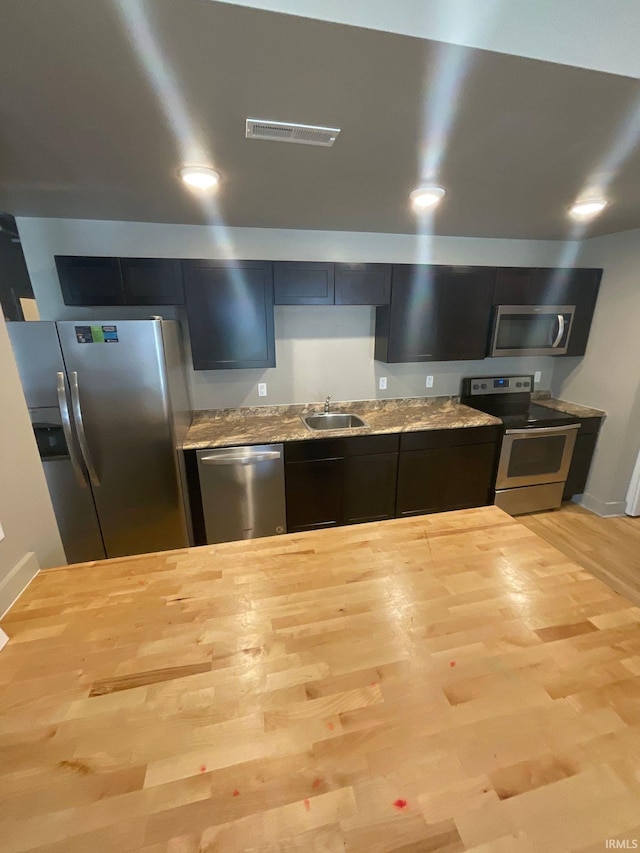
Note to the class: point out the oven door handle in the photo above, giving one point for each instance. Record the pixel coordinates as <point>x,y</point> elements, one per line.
<point>537,431</point>
<point>556,342</point>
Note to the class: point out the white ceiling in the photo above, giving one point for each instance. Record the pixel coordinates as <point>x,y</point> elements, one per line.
<point>597,34</point>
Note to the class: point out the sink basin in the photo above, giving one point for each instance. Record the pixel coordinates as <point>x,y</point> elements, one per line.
<point>337,420</point>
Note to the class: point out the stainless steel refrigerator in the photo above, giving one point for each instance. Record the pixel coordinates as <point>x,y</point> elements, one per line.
<point>109,406</point>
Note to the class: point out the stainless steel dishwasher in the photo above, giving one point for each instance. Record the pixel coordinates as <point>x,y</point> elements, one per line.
<point>242,492</point>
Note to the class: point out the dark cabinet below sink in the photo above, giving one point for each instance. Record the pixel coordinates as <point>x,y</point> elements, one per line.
<point>334,481</point>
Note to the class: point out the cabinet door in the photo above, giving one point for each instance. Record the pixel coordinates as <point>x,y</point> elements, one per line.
<point>314,491</point>
<point>230,312</point>
<point>445,478</point>
<point>582,457</point>
<point>583,293</point>
<point>152,281</point>
<point>437,313</point>
<point>363,284</point>
<point>370,487</point>
<point>89,280</point>
<point>303,283</point>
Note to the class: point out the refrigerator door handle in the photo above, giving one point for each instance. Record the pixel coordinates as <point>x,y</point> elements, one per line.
<point>63,405</point>
<point>82,438</point>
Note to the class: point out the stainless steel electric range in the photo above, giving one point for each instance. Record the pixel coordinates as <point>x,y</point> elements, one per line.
<point>537,442</point>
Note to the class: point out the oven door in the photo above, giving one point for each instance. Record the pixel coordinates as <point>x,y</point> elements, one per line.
<point>531,457</point>
<point>532,330</point>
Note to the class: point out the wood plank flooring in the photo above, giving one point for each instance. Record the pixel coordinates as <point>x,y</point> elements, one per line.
<point>608,547</point>
<point>444,683</point>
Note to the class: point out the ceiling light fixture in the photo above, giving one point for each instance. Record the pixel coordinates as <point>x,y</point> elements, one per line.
<point>588,207</point>
<point>200,177</point>
<point>423,198</point>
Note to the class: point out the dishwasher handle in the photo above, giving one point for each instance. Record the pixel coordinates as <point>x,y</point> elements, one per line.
<point>244,459</point>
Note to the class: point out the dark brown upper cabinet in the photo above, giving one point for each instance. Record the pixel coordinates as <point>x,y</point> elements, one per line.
<point>363,284</point>
<point>152,281</point>
<point>120,281</point>
<point>553,286</point>
<point>303,283</point>
<point>90,280</point>
<point>437,313</point>
<point>230,311</point>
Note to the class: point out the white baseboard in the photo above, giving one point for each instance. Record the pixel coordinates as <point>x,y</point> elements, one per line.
<point>605,509</point>
<point>14,584</point>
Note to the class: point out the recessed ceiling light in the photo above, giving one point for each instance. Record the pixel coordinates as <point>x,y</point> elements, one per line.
<point>200,177</point>
<point>588,207</point>
<point>423,198</point>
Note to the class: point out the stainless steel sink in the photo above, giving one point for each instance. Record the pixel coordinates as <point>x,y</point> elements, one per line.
<point>333,420</point>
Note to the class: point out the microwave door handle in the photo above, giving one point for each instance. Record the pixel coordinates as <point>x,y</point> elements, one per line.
<point>82,437</point>
<point>560,334</point>
<point>63,405</point>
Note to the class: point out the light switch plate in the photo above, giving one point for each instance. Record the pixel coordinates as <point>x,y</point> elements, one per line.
<point>429,381</point>
<point>537,377</point>
<point>262,389</point>
<point>382,383</point>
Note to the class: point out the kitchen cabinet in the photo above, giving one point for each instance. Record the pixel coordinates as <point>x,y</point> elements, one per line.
<point>336,481</point>
<point>553,286</point>
<point>582,457</point>
<point>89,281</point>
<point>362,284</point>
<point>152,281</point>
<point>444,470</point>
<point>437,313</point>
<point>303,283</point>
<point>230,312</point>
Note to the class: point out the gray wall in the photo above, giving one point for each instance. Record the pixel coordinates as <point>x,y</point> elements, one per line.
<point>608,377</point>
<point>319,350</point>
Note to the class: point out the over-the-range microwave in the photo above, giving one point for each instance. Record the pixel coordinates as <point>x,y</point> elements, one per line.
<point>531,329</point>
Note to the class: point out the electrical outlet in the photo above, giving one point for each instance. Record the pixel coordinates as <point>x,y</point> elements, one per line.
<point>429,381</point>
<point>537,376</point>
<point>262,389</point>
<point>382,383</point>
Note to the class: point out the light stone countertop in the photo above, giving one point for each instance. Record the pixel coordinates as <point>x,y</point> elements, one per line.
<point>543,398</point>
<point>275,424</point>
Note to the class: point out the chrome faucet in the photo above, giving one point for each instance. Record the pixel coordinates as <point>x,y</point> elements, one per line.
<point>326,405</point>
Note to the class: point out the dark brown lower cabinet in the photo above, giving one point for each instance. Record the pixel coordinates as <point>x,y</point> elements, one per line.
<point>438,471</point>
<point>338,481</point>
<point>314,494</point>
<point>370,487</point>
<point>582,455</point>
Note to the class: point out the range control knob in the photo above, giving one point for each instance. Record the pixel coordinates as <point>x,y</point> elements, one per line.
<point>526,384</point>
<point>484,385</point>
<point>476,387</point>
<point>518,384</point>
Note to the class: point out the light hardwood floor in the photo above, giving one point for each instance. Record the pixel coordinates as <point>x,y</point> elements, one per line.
<point>443,683</point>
<point>608,547</point>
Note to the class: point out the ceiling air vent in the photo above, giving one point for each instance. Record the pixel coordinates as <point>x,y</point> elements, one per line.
<point>284,131</point>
